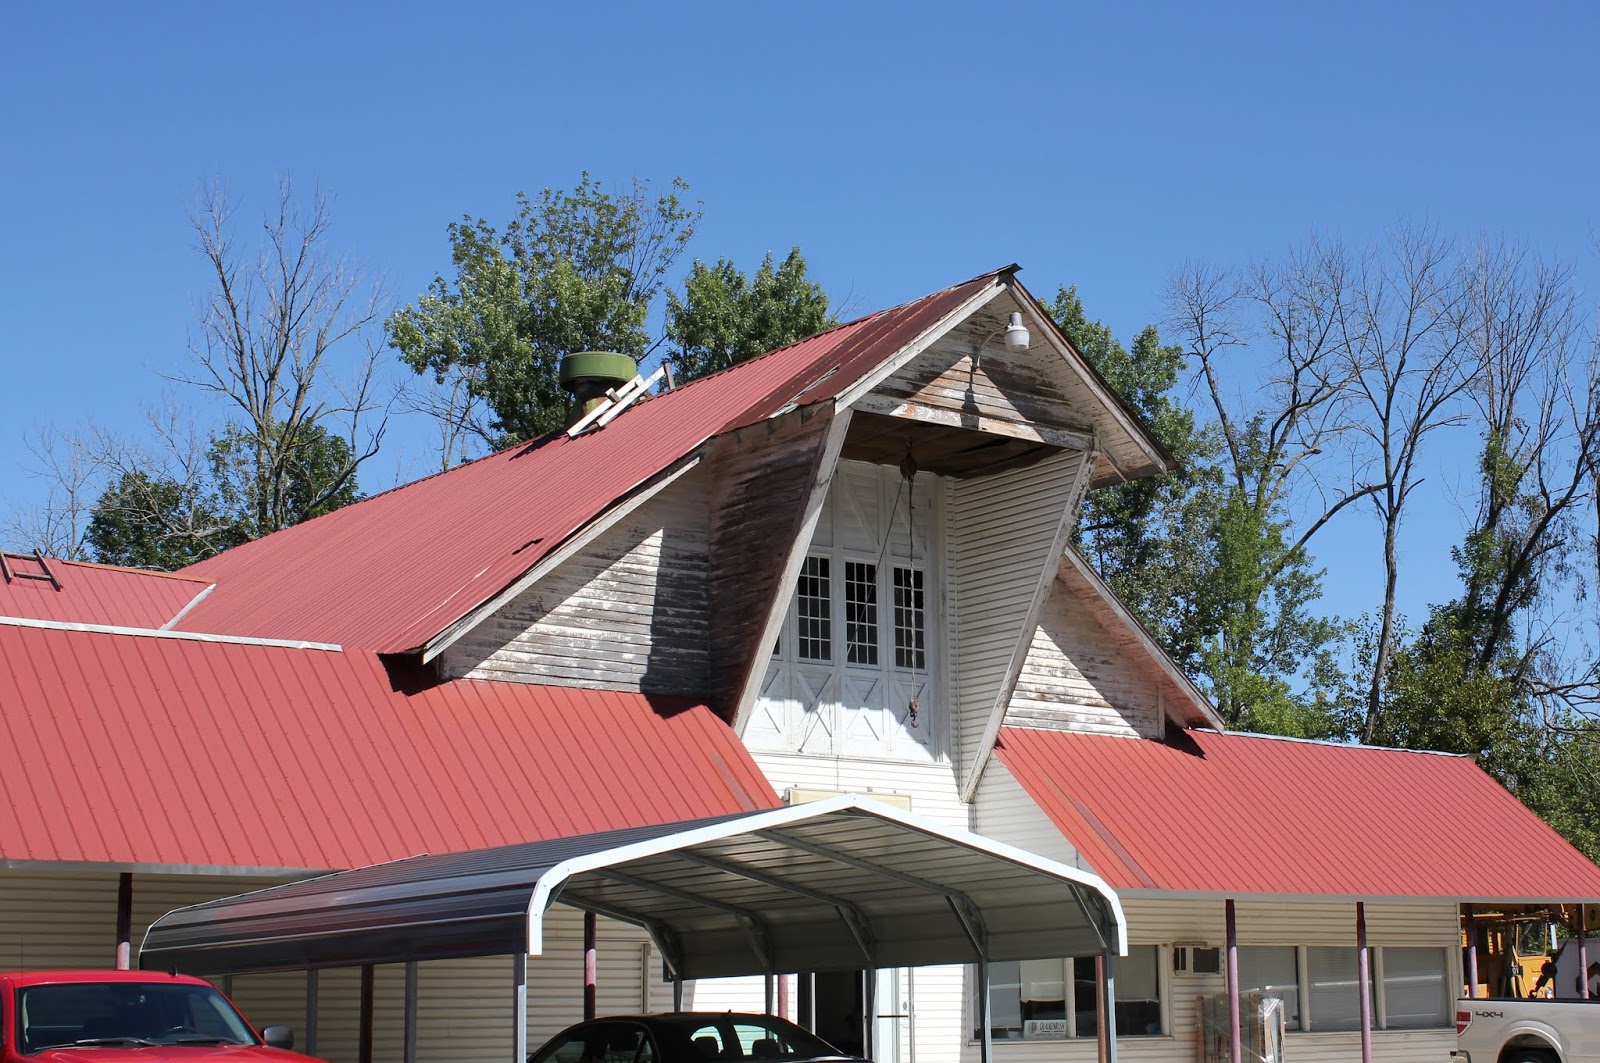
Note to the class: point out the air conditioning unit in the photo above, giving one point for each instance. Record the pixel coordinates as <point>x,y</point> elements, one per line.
<point>1196,958</point>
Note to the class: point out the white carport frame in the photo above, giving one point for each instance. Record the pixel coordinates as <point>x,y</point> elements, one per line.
<point>839,884</point>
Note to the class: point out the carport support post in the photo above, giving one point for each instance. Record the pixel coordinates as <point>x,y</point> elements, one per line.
<point>311,1012</point>
<point>1235,1048</point>
<point>1108,991</point>
<point>1472,950</point>
<point>124,921</point>
<point>590,993</point>
<point>869,1011</point>
<point>519,1008</point>
<point>411,1012</point>
<point>769,992</point>
<point>368,984</point>
<point>1364,981</point>
<point>1583,953</point>
<point>985,1032</point>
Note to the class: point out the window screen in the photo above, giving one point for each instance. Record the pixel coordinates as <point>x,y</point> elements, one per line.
<point>910,623</point>
<point>814,599</point>
<point>1335,1002</point>
<point>861,612</point>
<point>1272,969</point>
<point>1415,992</point>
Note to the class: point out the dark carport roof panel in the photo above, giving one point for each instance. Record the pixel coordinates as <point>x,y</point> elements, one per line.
<point>811,887</point>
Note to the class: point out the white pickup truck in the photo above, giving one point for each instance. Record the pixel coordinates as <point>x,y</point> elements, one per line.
<point>1527,1031</point>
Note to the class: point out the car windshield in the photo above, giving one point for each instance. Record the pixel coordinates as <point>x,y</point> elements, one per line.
<point>750,1037</point>
<point>126,1013</point>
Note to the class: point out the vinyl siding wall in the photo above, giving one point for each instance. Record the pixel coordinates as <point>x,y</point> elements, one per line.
<point>1004,534</point>
<point>1003,811</point>
<point>58,920</point>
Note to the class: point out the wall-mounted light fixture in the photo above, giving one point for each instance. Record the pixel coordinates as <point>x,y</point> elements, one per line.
<point>1016,334</point>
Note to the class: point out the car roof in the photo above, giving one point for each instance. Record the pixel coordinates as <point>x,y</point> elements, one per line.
<point>25,978</point>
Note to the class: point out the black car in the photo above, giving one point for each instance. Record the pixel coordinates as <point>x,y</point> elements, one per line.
<point>688,1037</point>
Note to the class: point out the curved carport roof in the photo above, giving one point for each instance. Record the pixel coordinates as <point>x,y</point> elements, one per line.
<point>834,885</point>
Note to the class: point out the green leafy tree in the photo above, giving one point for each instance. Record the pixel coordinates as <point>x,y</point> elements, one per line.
<point>184,514</point>
<point>726,317</point>
<point>574,270</point>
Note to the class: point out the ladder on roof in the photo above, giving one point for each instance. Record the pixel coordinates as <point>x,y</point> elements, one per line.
<point>10,571</point>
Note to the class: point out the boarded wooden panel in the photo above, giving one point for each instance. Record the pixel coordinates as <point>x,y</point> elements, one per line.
<point>1085,671</point>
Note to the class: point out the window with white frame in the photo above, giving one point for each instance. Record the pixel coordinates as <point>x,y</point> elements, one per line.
<point>814,610</point>
<point>861,612</point>
<point>868,638</point>
<point>910,619</point>
<point>1410,985</point>
<point>1052,1000</point>
<point>1416,988</point>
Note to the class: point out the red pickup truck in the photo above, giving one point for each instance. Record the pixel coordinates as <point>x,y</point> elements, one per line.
<point>128,1017</point>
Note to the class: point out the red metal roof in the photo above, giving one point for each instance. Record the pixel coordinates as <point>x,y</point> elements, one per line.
<point>147,750</point>
<point>1246,814</point>
<point>392,571</point>
<point>96,594</point>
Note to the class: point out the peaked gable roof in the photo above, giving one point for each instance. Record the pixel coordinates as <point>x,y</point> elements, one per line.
<point>96,594</point>
<point>1251,814</point>
<point>390,572</point>
<point>155,751</point>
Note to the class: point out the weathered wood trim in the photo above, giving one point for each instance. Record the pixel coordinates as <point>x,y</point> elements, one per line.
<point>1033,432</point>
<point>973,772</point>
<point>1112,405</point>
<point>933,335</point>
<point>799,543</point>
<point>1208,714</point>
<point>574,544</point>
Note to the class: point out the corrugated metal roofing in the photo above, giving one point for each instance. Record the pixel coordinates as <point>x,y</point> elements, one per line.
<point>1246,814</point>
<point>98,594</point>
<point>149,751</point>
<point>392,571</point>
<point>816,883</point>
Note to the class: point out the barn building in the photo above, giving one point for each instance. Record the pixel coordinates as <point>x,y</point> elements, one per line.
<point>841,568</point>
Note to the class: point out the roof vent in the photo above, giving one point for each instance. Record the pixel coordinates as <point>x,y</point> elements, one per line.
<point>589,375</point>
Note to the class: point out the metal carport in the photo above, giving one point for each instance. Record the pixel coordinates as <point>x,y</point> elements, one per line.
<point>840,884</point>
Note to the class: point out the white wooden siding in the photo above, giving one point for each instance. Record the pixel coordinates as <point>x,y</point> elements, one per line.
<point>1086,672</point>
<point>1004,535</point>
<point>629,612</point>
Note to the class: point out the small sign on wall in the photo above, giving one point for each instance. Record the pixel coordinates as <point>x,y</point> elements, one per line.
<point>1045,1029</point>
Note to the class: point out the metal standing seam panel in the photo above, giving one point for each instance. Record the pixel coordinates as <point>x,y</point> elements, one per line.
<point>155,752</point>
<point>461,536</point>
<point>1246,814</point>
<point>98,594</point>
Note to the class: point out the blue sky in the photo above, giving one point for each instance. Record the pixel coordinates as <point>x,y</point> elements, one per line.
<point>902,146</point>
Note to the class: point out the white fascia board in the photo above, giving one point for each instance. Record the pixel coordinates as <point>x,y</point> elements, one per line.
<point>934,334</point>
<point>550,883</point>
<point>1157,654</point>
<point>1079,365</point>
<point>607,520</point>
